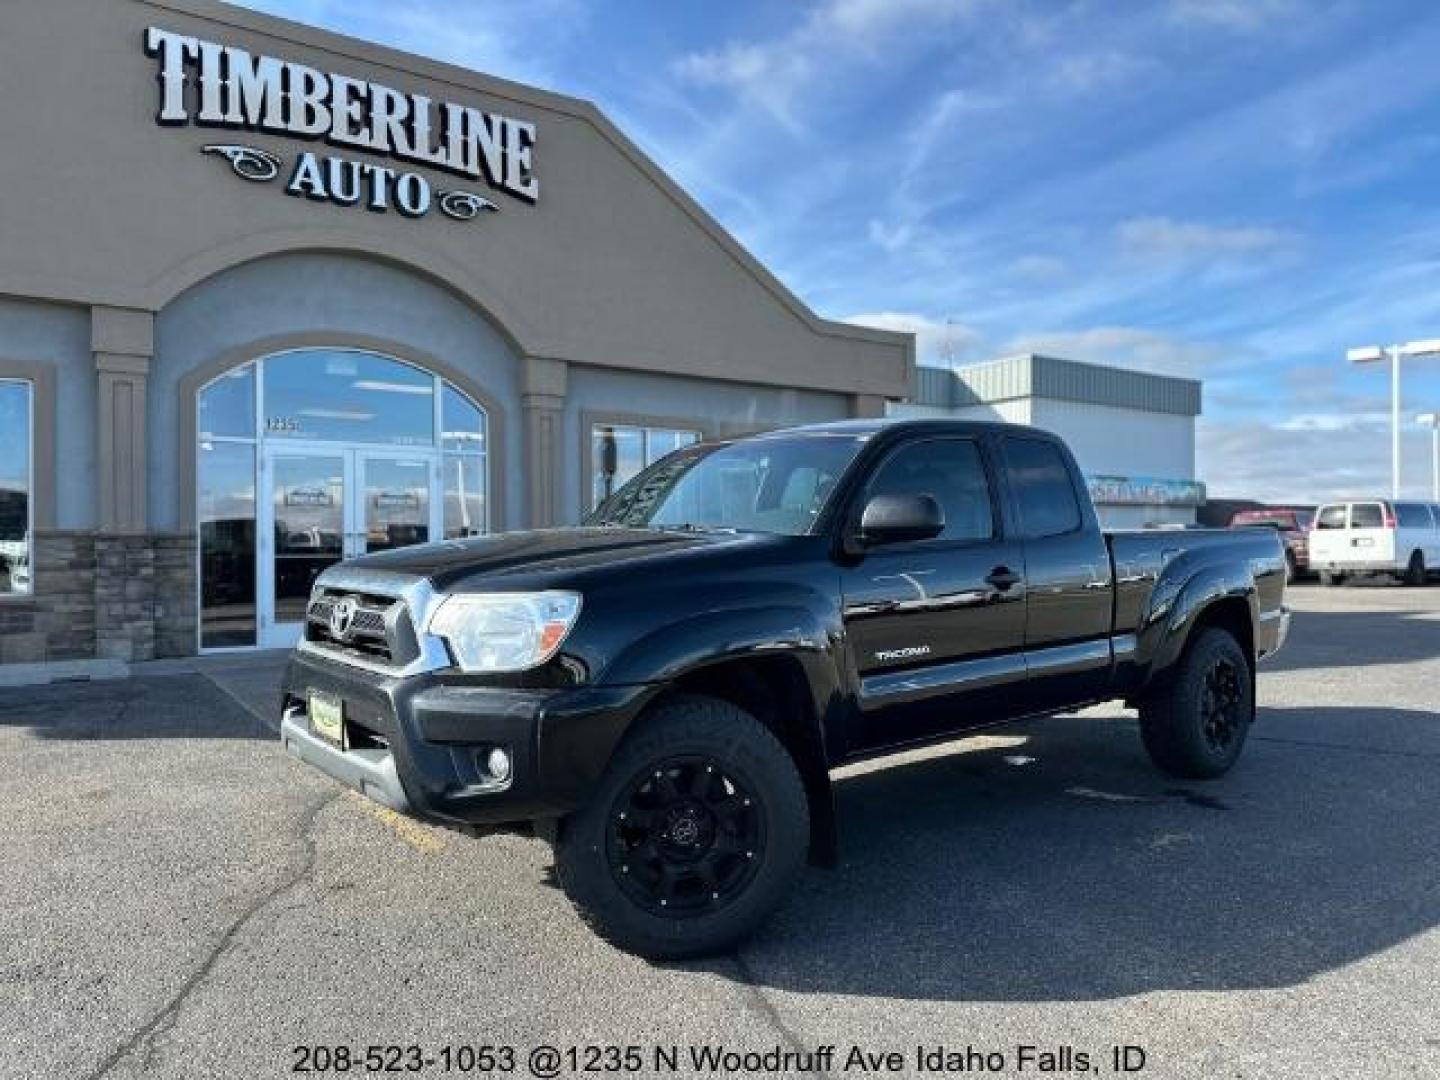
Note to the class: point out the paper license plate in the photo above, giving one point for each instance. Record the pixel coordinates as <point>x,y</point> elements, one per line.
<point>327,718</point>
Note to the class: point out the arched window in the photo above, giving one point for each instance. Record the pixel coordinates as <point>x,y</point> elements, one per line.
<point>310,456</point>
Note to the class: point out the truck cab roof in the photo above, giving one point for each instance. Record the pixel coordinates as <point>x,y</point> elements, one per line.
<point>905,425</point>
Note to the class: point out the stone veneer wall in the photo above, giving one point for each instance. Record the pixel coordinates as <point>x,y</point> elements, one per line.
<point>176,611</point>
<point>106,596</point>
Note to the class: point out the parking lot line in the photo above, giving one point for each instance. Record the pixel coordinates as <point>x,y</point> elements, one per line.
<point>411,832</point>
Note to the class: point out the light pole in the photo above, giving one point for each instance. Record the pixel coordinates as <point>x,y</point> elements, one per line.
<point>1370,354</point>
<point>1432,421</point>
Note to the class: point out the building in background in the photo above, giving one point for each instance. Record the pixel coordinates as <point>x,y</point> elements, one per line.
<point>271,297</point>
<point>1133,433</point>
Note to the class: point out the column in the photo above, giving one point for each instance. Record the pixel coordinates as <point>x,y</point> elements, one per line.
<point>867,406</point>
<point>122,340</point>
<point>542,402</point>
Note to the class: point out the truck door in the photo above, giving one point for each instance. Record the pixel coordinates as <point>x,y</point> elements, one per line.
<point>1069,604</point>
<point>935,627</point>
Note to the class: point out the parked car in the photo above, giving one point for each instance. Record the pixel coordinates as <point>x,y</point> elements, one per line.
<point>665,690</point>
<point>15,565</point>
<point>1376,536</point>
<point>1293,524</point>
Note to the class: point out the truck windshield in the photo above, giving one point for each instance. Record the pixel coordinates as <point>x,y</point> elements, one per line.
<point>773,484</point>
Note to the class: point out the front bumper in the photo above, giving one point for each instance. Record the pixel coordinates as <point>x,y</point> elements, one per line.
<point>370,772</point>
<point>1272,632</point>
<point>418,744</point>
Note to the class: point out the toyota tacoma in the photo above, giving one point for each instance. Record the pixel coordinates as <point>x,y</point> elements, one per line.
<point>664,690</point>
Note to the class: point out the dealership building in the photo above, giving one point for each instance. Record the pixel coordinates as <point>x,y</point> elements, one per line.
<point>1132,433</point>
<point>271,297</point>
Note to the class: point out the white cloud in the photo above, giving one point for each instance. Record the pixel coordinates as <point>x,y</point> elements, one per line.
<point>495,38</point>
<point>1237,16</point>
<point>1127,347</point>
<point>1167,238</point>
<point>1037,268</point>
<point>772,74</point>
<point>1084,73</point>
<point>937,341</point>
<point>1335,421</point>
<point>762,75</point>
<point>861,18</point>
<point>929,133</point>
<point>890,237</point>
<point>1312,465</point>
<point>937,117</point>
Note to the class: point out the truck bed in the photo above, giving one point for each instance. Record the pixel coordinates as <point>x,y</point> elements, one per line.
<point>1153,566</point>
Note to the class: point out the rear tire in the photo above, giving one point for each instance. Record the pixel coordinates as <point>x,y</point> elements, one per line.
<point>697,832</point>
<point>1331,580</point>
<point>1415,573</point>
<point>1195,726</point>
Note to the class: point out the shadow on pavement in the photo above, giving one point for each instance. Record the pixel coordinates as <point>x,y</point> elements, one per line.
<point>1084,874</point>
<point>1344,639</point>
<point>156,707</point>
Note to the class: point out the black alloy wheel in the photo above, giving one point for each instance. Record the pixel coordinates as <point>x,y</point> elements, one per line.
<point>686,837</point>
<point>1222,704</point>
<point>1195,722</point>
<point>696,833</point>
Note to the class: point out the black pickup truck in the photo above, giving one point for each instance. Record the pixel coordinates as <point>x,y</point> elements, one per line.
<point>664,690</point>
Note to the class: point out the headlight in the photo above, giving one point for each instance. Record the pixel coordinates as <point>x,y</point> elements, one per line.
<point>505,631</point>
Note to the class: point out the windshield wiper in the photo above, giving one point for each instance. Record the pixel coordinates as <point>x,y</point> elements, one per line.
<point>691,527</point>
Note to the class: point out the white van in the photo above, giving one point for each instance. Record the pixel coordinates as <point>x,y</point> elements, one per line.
<point>1376,536</point>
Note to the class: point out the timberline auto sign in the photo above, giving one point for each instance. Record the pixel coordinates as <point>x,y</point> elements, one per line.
<point>235,89</point>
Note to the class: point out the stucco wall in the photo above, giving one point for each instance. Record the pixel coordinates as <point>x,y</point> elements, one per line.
<point>614,265</point>
<point>344,299</point>
<point>59,336</point>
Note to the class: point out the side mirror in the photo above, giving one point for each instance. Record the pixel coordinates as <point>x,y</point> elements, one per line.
<point>899,519</point>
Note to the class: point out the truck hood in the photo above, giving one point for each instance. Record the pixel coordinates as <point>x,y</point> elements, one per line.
<point>554,555</point>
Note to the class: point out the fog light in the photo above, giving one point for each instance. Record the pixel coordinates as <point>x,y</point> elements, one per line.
<point>497,764</point>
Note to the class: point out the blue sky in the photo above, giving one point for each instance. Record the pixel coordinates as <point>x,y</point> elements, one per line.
<point>1235,190</point>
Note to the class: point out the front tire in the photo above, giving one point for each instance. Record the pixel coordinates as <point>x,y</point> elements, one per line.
<point>697,832</point>
<point>1195,726</point>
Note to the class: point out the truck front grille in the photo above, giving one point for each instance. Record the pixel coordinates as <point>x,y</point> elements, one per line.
<point>369,627</point>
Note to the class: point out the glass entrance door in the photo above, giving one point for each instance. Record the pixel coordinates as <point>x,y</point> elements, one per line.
<point>307,456</point>
<point>305,504</point>
<point>395,495</point>
<point>324,505</point>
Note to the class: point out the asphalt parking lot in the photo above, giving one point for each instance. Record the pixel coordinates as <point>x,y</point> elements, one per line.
<point>180,899</point>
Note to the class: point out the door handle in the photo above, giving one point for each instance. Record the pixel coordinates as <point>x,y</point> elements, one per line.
<point>1002,578</point>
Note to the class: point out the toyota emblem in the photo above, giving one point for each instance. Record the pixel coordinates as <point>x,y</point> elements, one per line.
<point>342,617</point>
